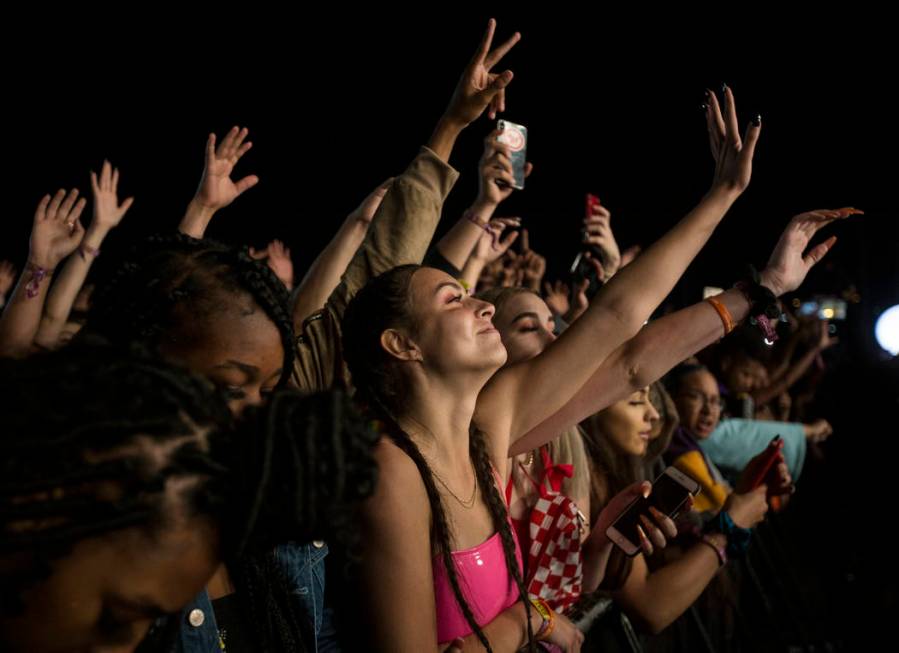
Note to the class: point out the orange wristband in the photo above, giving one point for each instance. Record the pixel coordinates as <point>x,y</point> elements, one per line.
<point>723,313</point>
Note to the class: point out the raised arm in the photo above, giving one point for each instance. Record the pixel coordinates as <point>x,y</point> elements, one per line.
<point>522,396</point>
<point>108,213</point>
<point>495,179</point>
<point>404,223</point>
<point>217,190</point>
<point>665,342</point>
<point>55,234</point>
<point>324,274</point>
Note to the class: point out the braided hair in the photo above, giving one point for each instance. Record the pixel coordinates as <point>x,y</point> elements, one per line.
<point>115,420</point>
<point>382,304</point>
<point>313,454</point>
<point>168,282</point>
<point>290,471</point>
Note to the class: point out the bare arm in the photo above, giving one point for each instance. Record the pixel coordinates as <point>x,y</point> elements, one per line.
<point>495,179</point>
<point>108,213</point>
<point>217,190</point>
<point>656,531</point>
<point>655,599</point>
<point>397,565</point>
<point>325,272</point>
<point>491,246</point>
<point>521,396</point>
<point>667,341</point>
<point>55,234</point>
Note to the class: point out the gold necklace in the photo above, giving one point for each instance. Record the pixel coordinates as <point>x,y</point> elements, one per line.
<point>470,503</point>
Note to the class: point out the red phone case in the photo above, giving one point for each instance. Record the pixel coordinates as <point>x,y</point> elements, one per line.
<point>765,464</point>
<point>592,200</point>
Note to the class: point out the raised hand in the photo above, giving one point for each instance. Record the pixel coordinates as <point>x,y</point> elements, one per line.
<point>217,190</point>
<point>732,154</point>
<point>598,234</point>
<point>556,297</point>
<point>480,87</point>
<point>788,266</point>
<point>57,230</point>
<point>108,213</point>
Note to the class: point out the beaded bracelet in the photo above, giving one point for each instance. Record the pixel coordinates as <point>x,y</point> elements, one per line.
<point>38,274</point>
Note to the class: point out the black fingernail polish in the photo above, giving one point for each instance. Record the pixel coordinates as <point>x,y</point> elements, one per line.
<point>723,87</point>
<point>704,107</point>
<point>757,121</point>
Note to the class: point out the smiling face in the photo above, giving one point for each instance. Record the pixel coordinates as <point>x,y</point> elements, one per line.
<point>628,423</point>
<point>452,331</point>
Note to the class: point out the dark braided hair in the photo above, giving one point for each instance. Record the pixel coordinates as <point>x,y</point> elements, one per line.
<point>86,419</point>
<point>166,284</point>
<point>382,304</point>
<point>169,281</point>
<point>293,470</point>
<point>313,454</point>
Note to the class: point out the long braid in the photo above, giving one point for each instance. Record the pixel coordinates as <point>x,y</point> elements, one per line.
<point>271,294</point>
<point>119,420</point>
<point>382,304</point>
<point>274,611</point>
<point>441,528</point>
<point>500,514</point>
<point>311,453</point>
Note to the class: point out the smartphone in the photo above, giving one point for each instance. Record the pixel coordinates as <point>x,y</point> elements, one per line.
<point>516,137</point>
<point>763,465</point>
<point>669,495</point>
<point>582,270</point>
<point>592,200</point>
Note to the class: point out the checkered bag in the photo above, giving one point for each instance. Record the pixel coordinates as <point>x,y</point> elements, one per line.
<point>554,558</point>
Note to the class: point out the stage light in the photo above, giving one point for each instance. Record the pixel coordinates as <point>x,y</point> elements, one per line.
<point>886,330</point>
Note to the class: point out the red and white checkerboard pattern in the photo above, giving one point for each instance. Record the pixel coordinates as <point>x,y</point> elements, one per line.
<point>554,558</point>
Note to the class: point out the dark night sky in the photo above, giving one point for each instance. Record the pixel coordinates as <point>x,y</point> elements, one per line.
<point>335,104</point>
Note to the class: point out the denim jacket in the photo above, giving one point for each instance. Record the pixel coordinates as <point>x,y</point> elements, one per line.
<point>304,567</point>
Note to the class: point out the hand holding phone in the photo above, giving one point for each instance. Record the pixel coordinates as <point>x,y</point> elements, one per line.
<point>769,469</point>
<point>671,493</point>
<point>756,472</point>
<point>516,137</point>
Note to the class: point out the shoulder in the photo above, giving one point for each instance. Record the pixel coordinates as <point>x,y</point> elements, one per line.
<point>400,495</point>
